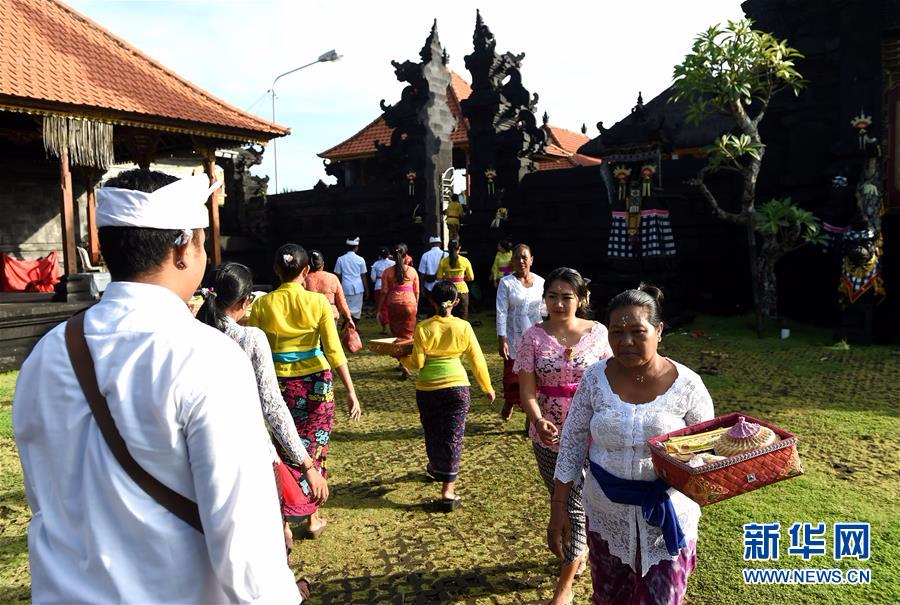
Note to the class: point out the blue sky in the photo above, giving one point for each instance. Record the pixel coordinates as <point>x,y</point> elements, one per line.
<point>587,60</point>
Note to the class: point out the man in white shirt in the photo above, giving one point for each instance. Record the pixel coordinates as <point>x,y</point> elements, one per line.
<point>183,397</point>
<point>351,270</point>
<point>428,266</point>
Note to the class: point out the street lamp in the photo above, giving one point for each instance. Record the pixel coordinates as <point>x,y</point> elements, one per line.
<point>331,55</point>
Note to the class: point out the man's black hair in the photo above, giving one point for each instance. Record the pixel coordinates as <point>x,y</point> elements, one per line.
<point>132,251</point>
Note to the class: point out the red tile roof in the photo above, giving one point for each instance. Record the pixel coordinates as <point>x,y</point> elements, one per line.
<point>55,60</point>
<point>572,161</point>
<point>362,144</point>
<point>562,143</point>
<point>568,140</point>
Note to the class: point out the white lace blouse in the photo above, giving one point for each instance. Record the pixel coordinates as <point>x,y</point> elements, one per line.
<point>255,344</point>
<point>620,431</point>
<point>518,308</point>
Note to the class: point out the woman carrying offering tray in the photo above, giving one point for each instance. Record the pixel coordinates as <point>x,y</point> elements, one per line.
<point>642,535</point>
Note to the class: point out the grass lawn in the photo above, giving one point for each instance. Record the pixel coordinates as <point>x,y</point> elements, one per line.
<point>384,545</point>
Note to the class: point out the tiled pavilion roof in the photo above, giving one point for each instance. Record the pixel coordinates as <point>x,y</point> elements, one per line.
<point>56,61</point>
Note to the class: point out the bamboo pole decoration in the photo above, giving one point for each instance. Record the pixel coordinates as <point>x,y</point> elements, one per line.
<point>87,143</point>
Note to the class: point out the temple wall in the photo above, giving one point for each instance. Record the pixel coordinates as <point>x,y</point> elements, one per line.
<point>30,225</point>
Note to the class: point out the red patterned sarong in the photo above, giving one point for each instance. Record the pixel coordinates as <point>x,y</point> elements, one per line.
<point>510,383</point>
<point>310,400</point>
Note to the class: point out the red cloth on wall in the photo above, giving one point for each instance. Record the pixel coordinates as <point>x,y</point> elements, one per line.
<point>29,275</point>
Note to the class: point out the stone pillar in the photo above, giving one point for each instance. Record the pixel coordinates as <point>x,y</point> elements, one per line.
<point>439,123</point>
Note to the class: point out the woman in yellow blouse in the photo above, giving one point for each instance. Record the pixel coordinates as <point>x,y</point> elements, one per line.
<point>442,387</point>
<point>296,321</point>
<point>502,261</point>
<point>457,269</point>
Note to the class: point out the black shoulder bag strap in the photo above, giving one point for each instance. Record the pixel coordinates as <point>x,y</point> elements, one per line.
<point>80,356</point>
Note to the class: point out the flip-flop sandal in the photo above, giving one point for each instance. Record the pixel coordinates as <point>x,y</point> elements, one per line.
<point>448,505</point>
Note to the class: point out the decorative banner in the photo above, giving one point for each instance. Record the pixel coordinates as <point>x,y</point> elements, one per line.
<point>861,123</point>
<point>621,174</point>
<point>648,171</point>
<point>490,174</point>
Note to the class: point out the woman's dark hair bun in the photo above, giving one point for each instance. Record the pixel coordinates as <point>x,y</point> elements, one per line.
<point>653,291</point>
<point>645,295</point>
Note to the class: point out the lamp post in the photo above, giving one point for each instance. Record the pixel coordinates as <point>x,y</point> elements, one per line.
<point>331,55</point>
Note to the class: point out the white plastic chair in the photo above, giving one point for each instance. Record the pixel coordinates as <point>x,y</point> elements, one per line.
<point>85,259</point>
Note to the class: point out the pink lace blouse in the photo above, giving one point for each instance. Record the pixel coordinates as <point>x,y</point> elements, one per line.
<point>558,369</point>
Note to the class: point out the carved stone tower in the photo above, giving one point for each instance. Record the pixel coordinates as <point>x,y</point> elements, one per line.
<point>439,123</point>
<point>503,132</point>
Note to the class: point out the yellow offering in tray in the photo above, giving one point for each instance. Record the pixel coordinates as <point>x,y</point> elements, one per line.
<point>687,445</point>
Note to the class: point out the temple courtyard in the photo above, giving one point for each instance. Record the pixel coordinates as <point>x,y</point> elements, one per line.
<point>385,544</point>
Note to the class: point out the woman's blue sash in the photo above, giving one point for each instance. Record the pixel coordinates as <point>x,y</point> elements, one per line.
<point>651,496</point>
<point>292,356</point>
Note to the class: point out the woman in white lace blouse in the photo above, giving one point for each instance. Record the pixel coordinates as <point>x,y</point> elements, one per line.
<point>520,305</point>
<point>620,403</point>
<point>227,301</point>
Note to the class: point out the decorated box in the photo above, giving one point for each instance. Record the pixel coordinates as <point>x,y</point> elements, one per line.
<point>391,346</point>
<point>730,475</point>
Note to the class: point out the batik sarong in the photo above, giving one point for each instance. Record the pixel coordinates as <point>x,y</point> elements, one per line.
<point>310,400</point>
<point>510,383</point>
<point>443,416</point>
<point>546,460</point>
<point>616,583</point>
<point>402,319</point>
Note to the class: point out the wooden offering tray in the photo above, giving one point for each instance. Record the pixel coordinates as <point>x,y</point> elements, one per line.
<point>390,346</point>
<point>733,475</point>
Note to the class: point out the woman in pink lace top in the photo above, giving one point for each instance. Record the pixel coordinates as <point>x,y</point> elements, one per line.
<point>550,361</point>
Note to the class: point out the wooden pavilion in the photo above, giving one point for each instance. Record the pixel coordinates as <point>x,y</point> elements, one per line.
<point>74,99</point>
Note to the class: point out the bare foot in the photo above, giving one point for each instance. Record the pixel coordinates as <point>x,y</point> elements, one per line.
<point>316,526</point>
<point>288,538</point>
<point>565,599</point>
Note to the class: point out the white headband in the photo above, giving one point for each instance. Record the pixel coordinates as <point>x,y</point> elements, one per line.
<point>179,205</point>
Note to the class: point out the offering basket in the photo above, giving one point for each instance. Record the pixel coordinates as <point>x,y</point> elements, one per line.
<point>390,346</point>
<point>734,475</point>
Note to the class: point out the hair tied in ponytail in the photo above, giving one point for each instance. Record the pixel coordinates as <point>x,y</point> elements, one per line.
<point>288,258</point>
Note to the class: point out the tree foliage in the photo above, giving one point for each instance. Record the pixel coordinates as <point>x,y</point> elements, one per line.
<point>787,225</point>
<point>735,70</point>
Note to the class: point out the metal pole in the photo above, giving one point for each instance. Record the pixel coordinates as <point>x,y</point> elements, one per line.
<point>323,58</point>
<point>275,140</point>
